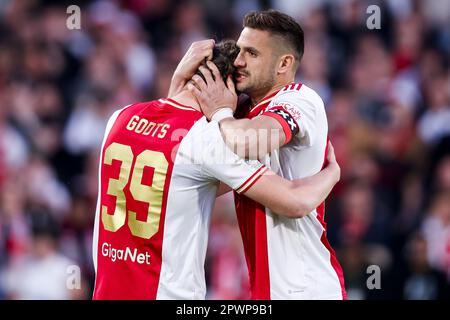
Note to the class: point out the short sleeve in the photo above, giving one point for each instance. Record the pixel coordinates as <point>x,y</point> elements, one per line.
<point>221,163</point>
<point>296,112</point>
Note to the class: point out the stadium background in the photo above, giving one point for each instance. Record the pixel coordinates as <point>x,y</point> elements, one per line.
<point>386,92</point>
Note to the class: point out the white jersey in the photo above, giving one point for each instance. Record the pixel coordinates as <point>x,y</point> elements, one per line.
<point>160,167</point>
<point>291,258</point>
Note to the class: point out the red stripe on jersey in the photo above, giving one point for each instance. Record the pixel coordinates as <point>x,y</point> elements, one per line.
<point>252,224</point>
<point>182,106</point>
<point>258,174</point>
<point>335,263</point>
<point>321,217</point>
<point>292,86</point>
<point>128,266</point>
<point>264,102</point>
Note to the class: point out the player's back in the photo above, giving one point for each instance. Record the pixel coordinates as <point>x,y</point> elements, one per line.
<point>134,218</point>
<point>160,167</point>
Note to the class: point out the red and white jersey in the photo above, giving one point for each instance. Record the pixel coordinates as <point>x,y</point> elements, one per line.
<point>291,258</point>
<point>160,166</point>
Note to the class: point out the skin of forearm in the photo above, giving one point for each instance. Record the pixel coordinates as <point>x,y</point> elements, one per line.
<point>176,85</point>
<point>315,189</point>
<point>294,198</point>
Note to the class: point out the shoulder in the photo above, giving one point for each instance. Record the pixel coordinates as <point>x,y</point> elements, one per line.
<point>140,109</point>
<point>138,106</point>
<point>299,91</point>
<point>132,107</point>
<point>122,115</point>
<point>208,131</point>
<point>196,137</point>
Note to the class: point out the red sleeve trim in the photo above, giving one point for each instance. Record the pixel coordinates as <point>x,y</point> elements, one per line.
<point>287,121</point>
<point>252,180</point>
<point>286,130</point>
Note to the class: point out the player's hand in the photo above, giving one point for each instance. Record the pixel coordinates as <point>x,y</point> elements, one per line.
<point>332,162</point>
<point>197,53</point>
<point>213,94</point>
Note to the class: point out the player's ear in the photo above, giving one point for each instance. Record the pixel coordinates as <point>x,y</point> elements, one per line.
<point>285,63</point>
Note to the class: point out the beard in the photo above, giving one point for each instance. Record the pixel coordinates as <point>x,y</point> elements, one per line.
<point>248,93</point>
<point>258,88</point>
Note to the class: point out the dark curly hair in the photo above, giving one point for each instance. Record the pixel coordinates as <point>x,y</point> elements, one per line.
<point>224,54</point>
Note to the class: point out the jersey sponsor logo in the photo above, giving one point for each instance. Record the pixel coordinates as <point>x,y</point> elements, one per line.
<point>125,254</point>
<point>295,113</point>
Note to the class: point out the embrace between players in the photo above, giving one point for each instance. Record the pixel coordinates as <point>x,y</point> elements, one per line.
<point>164,162</point>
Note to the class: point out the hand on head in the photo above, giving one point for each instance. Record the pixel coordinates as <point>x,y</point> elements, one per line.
<point>197,53</point>
<point>211,91</point>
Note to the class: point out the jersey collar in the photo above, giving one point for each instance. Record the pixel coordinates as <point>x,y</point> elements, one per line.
<point>264,101</point>
<point>176,104</point>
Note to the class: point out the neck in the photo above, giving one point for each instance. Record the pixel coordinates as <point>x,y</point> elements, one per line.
<point>186,98</point>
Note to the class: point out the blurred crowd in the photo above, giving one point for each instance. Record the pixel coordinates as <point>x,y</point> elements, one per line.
<point>386,92</point>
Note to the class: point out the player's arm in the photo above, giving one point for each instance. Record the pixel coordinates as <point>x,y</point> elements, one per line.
<point>252,138</point>
<point>288,198</point>
<point>249,138</point>
<point>299,197</point>
<point>197,53</point>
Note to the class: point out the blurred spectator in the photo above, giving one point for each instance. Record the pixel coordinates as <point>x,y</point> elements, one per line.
<point>85,127</point>
<point>13,147</point>
<point>420,281</point>
<point>43,188</point>
<point>43,273</point>
<point>433,125</point>
<point>15,234</point>
<point>436,229</point>
<point>364,219</point>
<point>357,261</point>
<point>442,180</point>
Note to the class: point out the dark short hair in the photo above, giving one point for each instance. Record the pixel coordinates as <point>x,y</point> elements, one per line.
<point>224,54</point>
<point>280,24</point>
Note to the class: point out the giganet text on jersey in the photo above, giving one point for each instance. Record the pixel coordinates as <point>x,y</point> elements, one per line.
<point>125,254</point>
